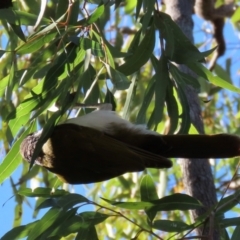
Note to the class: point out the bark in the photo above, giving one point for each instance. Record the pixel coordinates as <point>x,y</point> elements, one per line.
<point>197,175</point>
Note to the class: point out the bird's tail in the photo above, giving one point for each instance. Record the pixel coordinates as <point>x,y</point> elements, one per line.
<point>202,146</point>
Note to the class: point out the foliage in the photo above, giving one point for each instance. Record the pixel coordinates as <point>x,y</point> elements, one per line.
<point>73,52</point>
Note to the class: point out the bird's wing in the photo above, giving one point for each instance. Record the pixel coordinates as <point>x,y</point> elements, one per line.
<point>89,155</point>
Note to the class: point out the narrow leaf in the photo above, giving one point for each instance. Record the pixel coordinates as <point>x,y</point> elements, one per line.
<point>148,96</point>
<point>228,222</point>
<point>70,200</point>
<point>18,31</point>
<point>42,192</point>
<point>96,14</point>
<point>236,233</point>
<point>178,47</point>
<point>148,189</point>
<point>148,192</point>
<point>47,221</point>
<point>171,226</point>
<point>176,201</point>
<point>185,116</point>
<point>35,43</point>
<point>162,80</point>
<point>141,54</point>
<point>200,70</point>
<point>13,158</point>
<point>93,217</point>
<point>130,205</point>
<point>19,232</point>
<point>172,109</point>
<point>20,18</point>
<point>119,80</point>
<point>86,233</point>
<point>148,10</point>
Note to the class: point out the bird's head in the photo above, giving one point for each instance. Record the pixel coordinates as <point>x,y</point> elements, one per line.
<point>28,146</point>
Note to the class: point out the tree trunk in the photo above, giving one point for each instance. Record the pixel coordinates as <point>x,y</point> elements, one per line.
<point>197,175</point>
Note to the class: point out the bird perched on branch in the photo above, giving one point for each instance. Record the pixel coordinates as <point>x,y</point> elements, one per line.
<point>101,145</point>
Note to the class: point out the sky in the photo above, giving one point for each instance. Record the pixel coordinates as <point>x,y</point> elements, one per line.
<point>7,201</point>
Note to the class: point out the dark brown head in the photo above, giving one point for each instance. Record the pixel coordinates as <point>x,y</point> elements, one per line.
<point>28,145</point>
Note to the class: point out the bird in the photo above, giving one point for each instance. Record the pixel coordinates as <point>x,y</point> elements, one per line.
<point>101,145</point>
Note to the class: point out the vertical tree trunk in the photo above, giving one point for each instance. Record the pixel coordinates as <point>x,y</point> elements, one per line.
<point>197,175</point>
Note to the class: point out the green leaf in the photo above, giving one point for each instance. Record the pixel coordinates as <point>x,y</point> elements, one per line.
<point>61,225</point>
<point>50,220</point>
<point>148,189</point>
<point>172,109</point>
<point>130,6</point>
<point>2,52</point>
<point>3,84</point>
<point>30,174</point>
<point>236,16</point>
<point>11,83</point>
<point>87,232</point>
<point>24,75</point>
<point>35,43</point>
<point>115,51</point>
<point>47,203</point>
<point>178,47</point>
<point>90,88</point>
<point>109,98</point>
<point>42,192</point>
<point>93,217</point>
<point>13,158</point>
<point>148,193</point>
<point>173,202</point>
<point>228,222</point>
<point>130,95</point>
<point>200,70</point>
<point>18,31</point>
<point>95,47</point>
<point>49,27</point>
<point>148,10</point>
<point>162,81</point>
<point>138,8</point>
<point>185,116</point>
<point>176,201</point>
<point>236,233</point>
<point>170,226</point>
<point>130,205</point>
<point>119,80</point>
<point>148,96</point>
<point>208,52</point>
<point>19,232</point>
<point>62,7</point>
<point>23,114</point>
<point>227,203</point>
<point>141,55</point>
<point>41,72</point>
<point>73,17</point>
<point>70,200</point>
<point>20,18</point>
<point>46,132</point>
<point>223,73</point>
<point>224,234</point>
<point>133,47</point>
<point>96,15</point>
<point>183,78</point>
